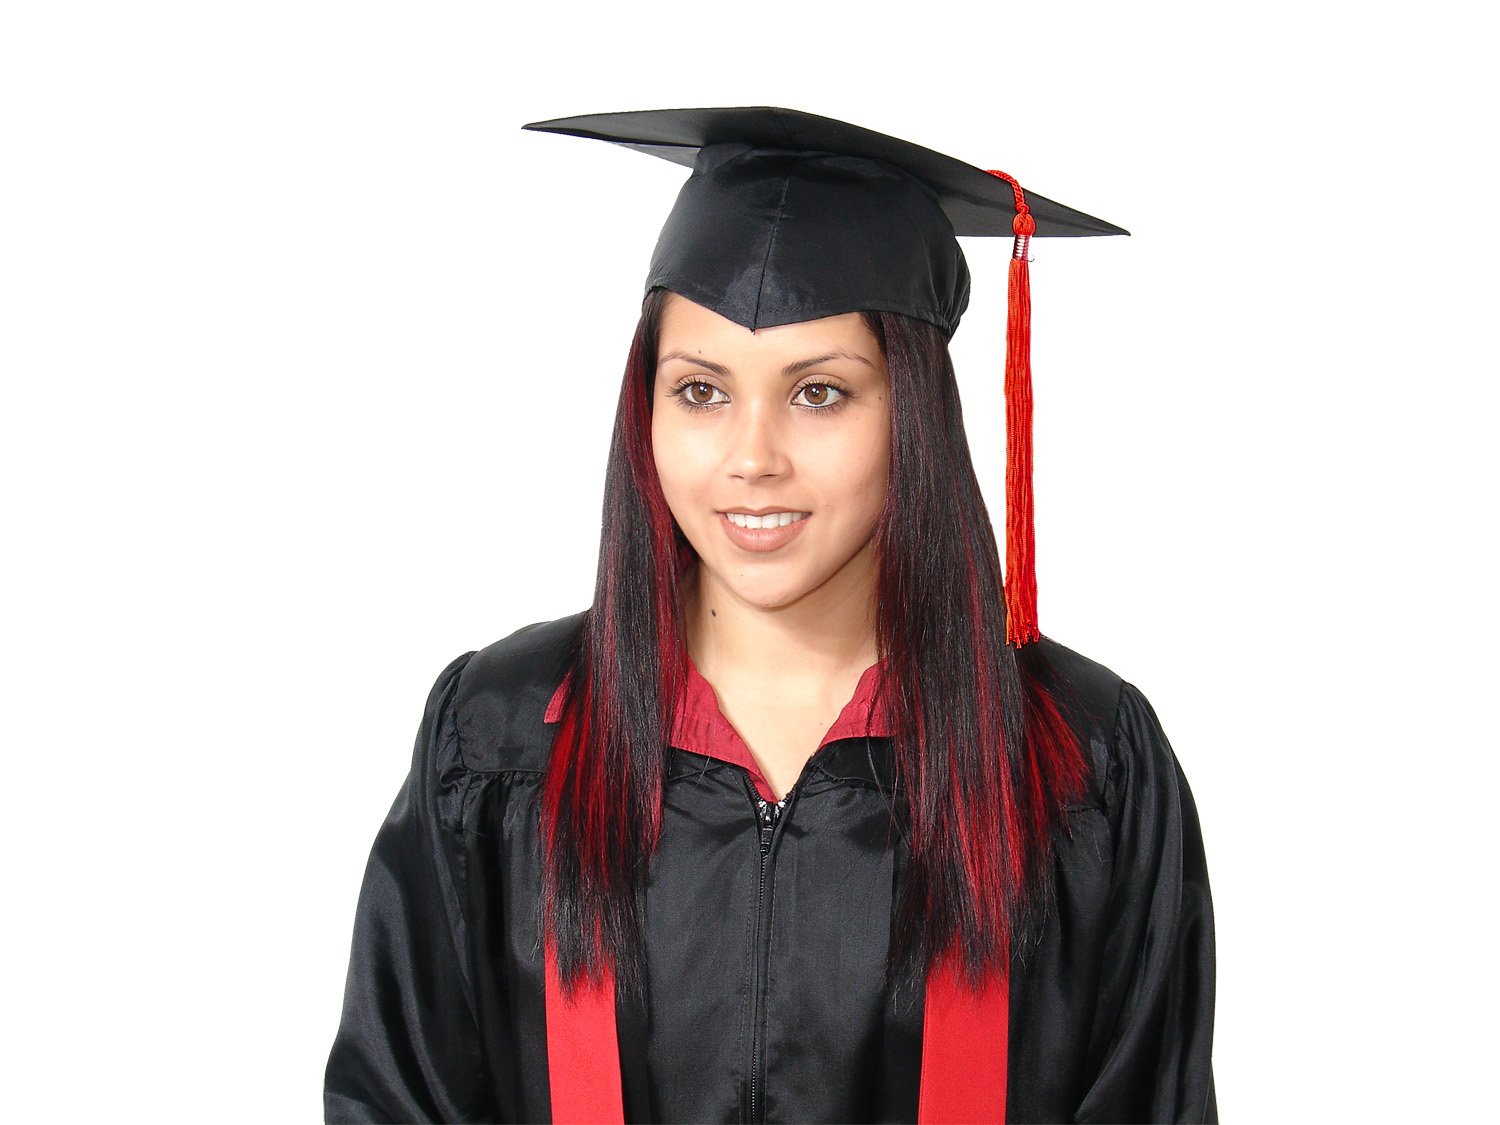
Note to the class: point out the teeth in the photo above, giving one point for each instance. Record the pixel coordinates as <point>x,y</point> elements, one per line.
<point>770,519</point>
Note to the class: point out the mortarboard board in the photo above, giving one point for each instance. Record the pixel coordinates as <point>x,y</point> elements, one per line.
<point>789,216</point>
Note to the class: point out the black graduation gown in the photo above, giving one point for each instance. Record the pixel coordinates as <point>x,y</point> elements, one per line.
<point>765,967</point>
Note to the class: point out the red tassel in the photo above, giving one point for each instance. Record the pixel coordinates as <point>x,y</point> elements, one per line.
<point>1020,529</point>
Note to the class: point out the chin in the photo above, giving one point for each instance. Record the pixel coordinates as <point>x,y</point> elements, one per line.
<point>774,594</point>
<point>778,600</point>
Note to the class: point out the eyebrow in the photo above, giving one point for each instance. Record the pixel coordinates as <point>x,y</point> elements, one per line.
<point>788,371</point>
<point>716,368</point>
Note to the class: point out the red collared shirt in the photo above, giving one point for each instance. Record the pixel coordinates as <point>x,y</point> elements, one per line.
<point>699,725</point>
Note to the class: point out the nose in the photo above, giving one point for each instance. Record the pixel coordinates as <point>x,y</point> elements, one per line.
<point>757,445</point>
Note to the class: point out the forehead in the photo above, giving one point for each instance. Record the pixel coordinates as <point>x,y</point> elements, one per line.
<point>690,328</point>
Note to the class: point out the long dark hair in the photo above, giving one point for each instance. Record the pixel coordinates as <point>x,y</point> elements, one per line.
<point>984,762</point>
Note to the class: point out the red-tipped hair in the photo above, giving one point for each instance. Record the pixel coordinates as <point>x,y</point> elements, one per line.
<point>602,793</point>
<point>985,761</point>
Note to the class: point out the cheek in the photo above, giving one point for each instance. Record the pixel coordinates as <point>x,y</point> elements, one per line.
<point>675,466</point>
<point>875,484</point>
<point>869,459</point>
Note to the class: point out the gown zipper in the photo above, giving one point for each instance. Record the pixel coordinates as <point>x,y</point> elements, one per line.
<point>769,817</point>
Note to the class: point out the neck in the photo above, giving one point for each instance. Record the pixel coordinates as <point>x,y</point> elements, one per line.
<point>826,634</point>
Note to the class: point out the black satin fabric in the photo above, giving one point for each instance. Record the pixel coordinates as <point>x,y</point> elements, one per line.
<point>776,985</point>
<point>822,235</point>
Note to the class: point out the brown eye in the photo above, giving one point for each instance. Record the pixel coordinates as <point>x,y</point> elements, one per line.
<point>819,394</point>
<point>698,394</point>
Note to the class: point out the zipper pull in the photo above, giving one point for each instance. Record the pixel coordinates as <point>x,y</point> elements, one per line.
<point>768,814</point>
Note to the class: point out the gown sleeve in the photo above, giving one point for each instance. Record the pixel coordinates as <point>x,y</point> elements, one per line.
<point>407,1047</point>
<point>1150,1051</point>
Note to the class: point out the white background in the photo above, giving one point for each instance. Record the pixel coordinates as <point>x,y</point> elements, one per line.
<point>310,357</point>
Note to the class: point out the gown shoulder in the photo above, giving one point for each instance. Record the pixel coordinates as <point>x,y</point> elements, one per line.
<point>1088,695</point>
<point>1143,886</point>
<point>411,1043</point>
<point>503,692</point>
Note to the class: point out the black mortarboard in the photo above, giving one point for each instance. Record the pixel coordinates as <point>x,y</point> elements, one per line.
<point>788,217</point>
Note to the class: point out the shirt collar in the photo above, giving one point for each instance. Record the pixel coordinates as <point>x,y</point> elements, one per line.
<point>699,726</point>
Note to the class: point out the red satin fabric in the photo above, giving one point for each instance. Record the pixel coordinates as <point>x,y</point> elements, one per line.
<point>965,1049</point>
<point>582,1049</point>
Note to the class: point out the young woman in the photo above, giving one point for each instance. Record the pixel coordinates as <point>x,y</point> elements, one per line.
<point>802,819</point>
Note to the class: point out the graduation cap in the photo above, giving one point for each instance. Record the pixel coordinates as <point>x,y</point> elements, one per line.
<point>789,216</point>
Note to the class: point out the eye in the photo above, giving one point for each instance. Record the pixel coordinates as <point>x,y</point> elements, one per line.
<point>819,395</point>
<point>696,393</point>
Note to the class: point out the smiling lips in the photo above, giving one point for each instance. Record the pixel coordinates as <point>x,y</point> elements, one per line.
<point>762,531</point>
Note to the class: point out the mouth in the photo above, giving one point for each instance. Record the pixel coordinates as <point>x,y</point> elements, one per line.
<point>763,532</point>
<point>754,520</point>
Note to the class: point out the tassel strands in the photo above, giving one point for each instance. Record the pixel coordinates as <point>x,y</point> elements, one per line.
<point>1020,524</point>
